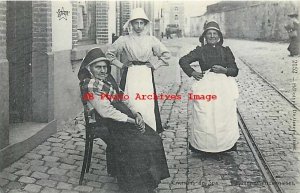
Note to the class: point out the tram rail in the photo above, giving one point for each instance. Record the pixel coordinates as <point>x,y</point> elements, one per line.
<point>270,84</point>
<point>273,184</point>
<point>261,162</point>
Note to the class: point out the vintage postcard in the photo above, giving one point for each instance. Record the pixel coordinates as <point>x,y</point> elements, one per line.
<point>149,96</point>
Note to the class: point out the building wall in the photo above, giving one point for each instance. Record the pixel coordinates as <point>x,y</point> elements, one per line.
<point>169,12</point>
<point>112,25</point>
<point>42,63</point>
<point>4,80</point>
<point>74,24</point>
<point>33,24</point>
<point>102,22</point>
<point>123,14</point>
<point>264,21</point>
<point>61,25</point>
<point>260,21</point>
<point>179,12</point>
<point>197,23</point>
<point>19,39</point>
<point>67,103</point>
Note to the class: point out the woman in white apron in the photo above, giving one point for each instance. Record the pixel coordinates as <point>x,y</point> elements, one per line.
<point>214,122</point>
<point>144,54</point>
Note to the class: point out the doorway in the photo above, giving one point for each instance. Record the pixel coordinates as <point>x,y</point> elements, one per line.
<point>19,55</point>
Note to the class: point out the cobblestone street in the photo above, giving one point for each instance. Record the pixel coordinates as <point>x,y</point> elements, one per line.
<point>54,166</point>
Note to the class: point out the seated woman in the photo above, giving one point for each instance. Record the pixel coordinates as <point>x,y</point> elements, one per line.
<point>139,161</point>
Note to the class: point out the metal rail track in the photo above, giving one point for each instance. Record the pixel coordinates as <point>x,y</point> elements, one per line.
<point>270,84</point>
<point>262,163</point>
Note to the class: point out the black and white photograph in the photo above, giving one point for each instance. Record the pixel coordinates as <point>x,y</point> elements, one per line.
<point>149,96</point>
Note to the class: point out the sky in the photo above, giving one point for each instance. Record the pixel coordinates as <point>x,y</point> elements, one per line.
<point>192,7</point>
<point>197,7</point>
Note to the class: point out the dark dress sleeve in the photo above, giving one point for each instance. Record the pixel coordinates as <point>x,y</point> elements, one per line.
<point>232,69</point>
<point>191,57</point>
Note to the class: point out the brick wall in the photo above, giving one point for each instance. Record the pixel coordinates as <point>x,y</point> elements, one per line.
<point>74,24</point>
<point>102,22</point>
<point>42,62</point>
<point>102,36</point>
<point>123,14</point>
<point>2,29</point>
<point>19,39</point>
<point>118,31</point>
<point>125,10</point>
<point>4,80</point>
<point>42,29</point>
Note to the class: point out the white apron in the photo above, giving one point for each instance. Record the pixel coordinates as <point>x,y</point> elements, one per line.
<point>214,123</point>
<point>139,81</point>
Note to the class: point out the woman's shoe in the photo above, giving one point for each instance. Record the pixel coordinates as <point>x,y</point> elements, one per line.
<point>231,149</point>
<point>194,150</point>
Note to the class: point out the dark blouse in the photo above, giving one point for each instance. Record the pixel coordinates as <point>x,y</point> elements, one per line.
<point>207,56</point>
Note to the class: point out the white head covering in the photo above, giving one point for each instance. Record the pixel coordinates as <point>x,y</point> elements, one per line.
<point>137,13</point>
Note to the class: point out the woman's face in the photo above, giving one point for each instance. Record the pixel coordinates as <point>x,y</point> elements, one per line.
<point>212,36</point>
<point>99,70</point>
<point>138,25</point>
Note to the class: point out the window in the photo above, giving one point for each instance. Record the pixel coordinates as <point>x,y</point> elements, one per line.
<point>176,8</point>
<point>176,17</point>
<point>86,22</point>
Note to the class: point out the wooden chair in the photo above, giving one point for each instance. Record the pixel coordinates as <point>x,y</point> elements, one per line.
<point>88,149</point>
<point>92,132</point>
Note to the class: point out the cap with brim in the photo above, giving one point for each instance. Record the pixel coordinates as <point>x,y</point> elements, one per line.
<point>93,56</point>
<point>97,60</point>
<point>137,13</point>
<point>212,25</point>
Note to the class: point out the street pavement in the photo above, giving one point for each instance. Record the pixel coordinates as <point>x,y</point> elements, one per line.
<point>54,166</point>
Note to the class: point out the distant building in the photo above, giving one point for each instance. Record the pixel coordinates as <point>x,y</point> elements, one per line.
<point>254,20</point>
<point>223,6</point>
<point>172,12</point>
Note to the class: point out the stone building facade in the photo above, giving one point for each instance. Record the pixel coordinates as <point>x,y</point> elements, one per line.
<point>254,20</point>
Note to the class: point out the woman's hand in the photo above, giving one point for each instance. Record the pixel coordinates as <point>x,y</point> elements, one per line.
<point>130,120</point>
<point>140,122</point>
<point>197,75</point>
<point>219,69</point>
<point>116,63</point>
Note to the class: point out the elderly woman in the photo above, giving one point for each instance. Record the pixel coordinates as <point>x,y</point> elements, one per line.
<point>144,53</point>
<point>214,124</point>
<point>138,157</point>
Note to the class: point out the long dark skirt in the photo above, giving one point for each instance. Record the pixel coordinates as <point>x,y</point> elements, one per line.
<point>294,46</point>
<point>137,160</point>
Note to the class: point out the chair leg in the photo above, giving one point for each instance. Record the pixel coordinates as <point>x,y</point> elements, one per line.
<point>90,154</point>
<point>85,160</point>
